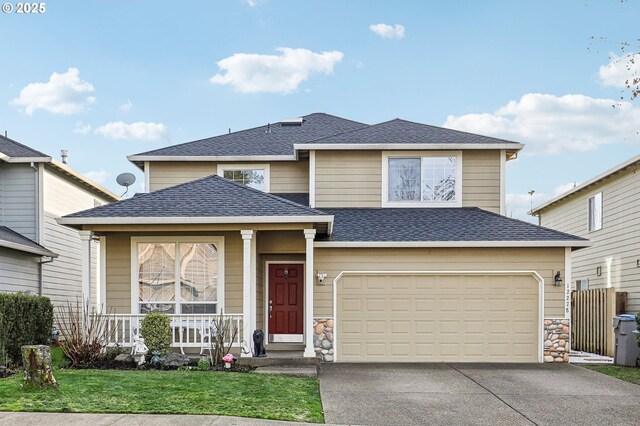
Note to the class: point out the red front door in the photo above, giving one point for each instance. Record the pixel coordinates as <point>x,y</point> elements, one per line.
<point>286,283</point>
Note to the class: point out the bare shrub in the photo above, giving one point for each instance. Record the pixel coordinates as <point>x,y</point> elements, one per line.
<point>223,334</point>
<point>85,333</point>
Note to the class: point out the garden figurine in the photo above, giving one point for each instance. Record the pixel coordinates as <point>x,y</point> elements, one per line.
<point>228,360</point>
<point>139,351</point>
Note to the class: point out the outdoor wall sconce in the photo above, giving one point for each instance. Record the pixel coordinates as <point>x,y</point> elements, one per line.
<point>557,279</point>
<point>321,277</point>
<point>599,270</point>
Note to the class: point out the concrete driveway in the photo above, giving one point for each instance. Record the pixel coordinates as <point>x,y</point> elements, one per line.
<point>478,394</point>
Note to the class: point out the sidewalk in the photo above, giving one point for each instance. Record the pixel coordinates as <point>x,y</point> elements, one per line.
<point>73,419</point>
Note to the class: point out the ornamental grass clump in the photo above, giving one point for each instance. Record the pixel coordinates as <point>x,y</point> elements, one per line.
<point>157,333</point>
<point>85,333</point>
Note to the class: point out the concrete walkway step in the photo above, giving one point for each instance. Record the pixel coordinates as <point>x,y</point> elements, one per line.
<point>300,371</point>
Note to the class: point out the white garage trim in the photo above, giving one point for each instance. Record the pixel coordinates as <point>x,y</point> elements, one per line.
<point>534,274</point>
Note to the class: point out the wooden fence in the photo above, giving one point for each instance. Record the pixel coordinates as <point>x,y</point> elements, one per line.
<point>592,313</point>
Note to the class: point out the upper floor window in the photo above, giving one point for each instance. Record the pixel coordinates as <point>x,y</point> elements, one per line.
<point>251,175</point>
<point>433,180</point>
<point>595,212</point>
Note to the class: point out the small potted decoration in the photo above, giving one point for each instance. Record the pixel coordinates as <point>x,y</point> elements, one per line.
<point>228,360</point>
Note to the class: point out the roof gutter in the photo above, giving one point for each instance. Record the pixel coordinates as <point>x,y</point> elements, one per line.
<point>405,146</point>
<point>452,244</point>
<point>77,222</point>
<point>27,249</point>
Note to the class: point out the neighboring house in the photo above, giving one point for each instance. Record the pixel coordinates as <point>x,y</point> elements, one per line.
<point>354,242</point>
<point>37,255</point>
<point>606,210</point>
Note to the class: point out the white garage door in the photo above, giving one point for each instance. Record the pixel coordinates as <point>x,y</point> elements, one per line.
<point>427,318</point>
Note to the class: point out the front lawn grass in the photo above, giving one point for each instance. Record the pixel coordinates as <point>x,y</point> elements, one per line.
<point>170,392</point>
<point>629,374</point>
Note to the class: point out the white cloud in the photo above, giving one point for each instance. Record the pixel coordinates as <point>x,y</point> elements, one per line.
<point>64,93</point>
<point>98,176</point>
<point>255,73</point>
<point>388,31</point>
<point>561,189</point>
<point>253,3</point>
<point>126,107</point>
<point>519,205</point>
<point>81,128</point>
<point>620,69</point>
<point>138,130</point>
<point>552,124</point>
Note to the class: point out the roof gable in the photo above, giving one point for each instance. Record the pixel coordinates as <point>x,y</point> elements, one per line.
<point>400,131</point>
<point>208,197</point>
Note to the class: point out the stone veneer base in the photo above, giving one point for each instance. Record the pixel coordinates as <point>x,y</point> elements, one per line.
<point>323,338</point>
<point>556,340</point>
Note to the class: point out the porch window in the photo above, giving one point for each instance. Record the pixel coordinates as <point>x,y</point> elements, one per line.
<point>427,180</point>
<point>179,277</point>
<point>253,176</point>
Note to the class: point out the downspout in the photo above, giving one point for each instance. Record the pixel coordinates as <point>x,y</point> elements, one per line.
<point>39,219</point>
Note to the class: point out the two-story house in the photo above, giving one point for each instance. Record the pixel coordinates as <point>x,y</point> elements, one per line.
<point>350,241</point>
<point>37,255</point>
<point>606,210</point>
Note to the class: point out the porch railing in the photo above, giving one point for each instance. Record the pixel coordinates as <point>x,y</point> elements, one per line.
<point>189,330</point>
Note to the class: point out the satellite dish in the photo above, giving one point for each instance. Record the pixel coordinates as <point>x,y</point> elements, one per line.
<point>126,180</point>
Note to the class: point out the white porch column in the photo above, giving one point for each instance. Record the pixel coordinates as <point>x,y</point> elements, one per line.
<point>309,235</point>
<point>85,241</point>
<point>248,287</point>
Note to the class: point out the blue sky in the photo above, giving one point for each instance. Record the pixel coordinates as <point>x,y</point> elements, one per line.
<point>134,76</point>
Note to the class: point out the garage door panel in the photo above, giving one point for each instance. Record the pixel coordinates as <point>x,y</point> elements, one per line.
<point>438,318</point>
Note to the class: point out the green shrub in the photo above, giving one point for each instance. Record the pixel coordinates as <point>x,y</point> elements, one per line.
<point>24,320</point>
<point>157,333</point>
<point>204,365</point>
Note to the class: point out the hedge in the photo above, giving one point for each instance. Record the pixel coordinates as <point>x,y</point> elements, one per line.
<point>24,320</point>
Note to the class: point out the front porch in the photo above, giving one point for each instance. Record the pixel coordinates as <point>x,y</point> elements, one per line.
<point>149,271</point>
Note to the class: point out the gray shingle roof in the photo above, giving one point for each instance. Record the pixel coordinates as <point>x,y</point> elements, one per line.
<point>403,131</point>
<point>299,198</point>
<point>16,149</point>
<point>437,224</point>
<point>14,240</point>
<point>274,139</point>
<point>211,196</point>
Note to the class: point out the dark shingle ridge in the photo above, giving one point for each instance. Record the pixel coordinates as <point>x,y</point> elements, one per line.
<point>211,196</point>
<point>379,129</point>
<point>324,125</point>
<point>15,149</point>
<point>435,225</point>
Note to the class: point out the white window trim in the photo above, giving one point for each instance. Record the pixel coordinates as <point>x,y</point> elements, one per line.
<point>250,166</point>
<point>413,154</point>
<point>589,212</point>
<point>580,281</point>
<point>135,285</point>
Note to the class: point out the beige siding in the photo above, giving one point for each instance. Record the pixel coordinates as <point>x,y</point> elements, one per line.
<point>543,260</point>
<point>481,179</point>
<point>119,271</point>
<point>354,179</point>
<point>62,278</point>
<point>616,247</point>
<point>289,176</point>
<point>348,179</point>
<point>165,174</point>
